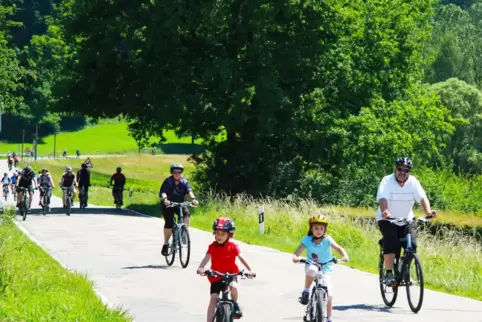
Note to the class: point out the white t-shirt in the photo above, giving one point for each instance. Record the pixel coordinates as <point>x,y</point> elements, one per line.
<point>400,199</point>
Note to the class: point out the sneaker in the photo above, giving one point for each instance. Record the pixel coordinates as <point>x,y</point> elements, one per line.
<point>390,279</point>
<point>165,250</point>
<point>237,314</point>
<point>305,296</point>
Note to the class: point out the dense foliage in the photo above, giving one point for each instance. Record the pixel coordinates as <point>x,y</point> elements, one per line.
<point>314,98</point>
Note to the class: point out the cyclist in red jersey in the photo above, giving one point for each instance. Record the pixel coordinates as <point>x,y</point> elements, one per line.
<point>119,182</point>
<point>223,253</point>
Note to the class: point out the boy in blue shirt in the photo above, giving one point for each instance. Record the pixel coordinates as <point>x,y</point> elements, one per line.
<point>318,247</point>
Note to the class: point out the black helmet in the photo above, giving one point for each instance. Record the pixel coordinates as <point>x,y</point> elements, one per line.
<point>404,161</point>
<point>178,166</point>
<point>224,224</point>
<point>119,169</point>
<point>27,170</point>
<point>84,166</point>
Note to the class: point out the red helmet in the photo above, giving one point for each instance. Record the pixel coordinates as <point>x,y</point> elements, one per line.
<point>224,224</point>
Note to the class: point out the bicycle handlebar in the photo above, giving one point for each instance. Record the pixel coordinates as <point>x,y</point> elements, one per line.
<point>210,272</point>
<point>320,265</point>
<point>180,204</point>
<point>402,221</point>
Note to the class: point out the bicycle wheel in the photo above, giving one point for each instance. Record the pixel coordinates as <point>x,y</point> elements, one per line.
<point>172,250</point>
<point>24,208</point>
<point>321,305</point>
<point>227,314</point>
<point>68,204</point>
<point>388,297</point>
<point>414,281</point>
<point>184,245</point>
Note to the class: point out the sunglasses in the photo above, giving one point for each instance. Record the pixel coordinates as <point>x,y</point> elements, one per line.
<point>176,172</point>
<point>403,170</point>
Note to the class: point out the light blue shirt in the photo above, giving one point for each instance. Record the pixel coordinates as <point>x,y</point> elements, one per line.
<point>319,253</point>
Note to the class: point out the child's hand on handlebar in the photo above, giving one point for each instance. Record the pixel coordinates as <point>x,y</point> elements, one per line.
<point>345,259</point>
<point>195,202</point>
<point>250,274</point>
<point>432,214</point>
<point>201,271</point>
<point>296,259</point>
<point>167,202</point>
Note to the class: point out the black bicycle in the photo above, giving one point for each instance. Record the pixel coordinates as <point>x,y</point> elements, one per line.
<point>180,239</point>
<point>406,268</point>
<point>316,310</point>
<point>24,203</point>
<point>68,199</point>
<point>224,305</point>
<point>45,203</point>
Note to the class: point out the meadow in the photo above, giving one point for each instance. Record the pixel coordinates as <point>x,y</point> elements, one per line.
<point>104,138</point>
<point>451,256</point>
<point>35,287</point>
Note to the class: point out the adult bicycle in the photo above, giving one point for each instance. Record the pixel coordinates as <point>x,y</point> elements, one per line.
<point>68,199</point>
<point>316,310</point>
<point>407,269</point>
<point>180,240</point>
<point>45,201</point>
<point>24,203</point>
<point>224,305</point>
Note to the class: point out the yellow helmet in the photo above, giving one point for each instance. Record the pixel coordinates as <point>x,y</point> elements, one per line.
<point>318,219</point>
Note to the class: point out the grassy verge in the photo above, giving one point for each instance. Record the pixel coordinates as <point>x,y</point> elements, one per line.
<point>35,287</point>
<point>452,260</point>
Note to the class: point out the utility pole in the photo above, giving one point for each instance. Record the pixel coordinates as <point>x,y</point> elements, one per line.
<point>23,139</point>
<point>55,142</point>
<point>36,141</point>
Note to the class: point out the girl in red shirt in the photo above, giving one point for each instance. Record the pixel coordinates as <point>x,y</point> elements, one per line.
<point>222,253</point>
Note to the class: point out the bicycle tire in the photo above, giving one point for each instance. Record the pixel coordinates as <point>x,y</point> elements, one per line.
<point>227,315</point>
<point>418,266</point>
<point>69,204</point>
<point>381,274</point>
<point>321,305</point>
<point>184,232</point>
<point>24,206</point>
<point>171,256</point>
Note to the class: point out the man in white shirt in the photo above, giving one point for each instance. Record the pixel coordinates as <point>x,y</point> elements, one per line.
<point>396,195</point>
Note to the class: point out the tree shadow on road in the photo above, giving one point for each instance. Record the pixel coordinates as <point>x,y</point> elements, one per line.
<point>366,307</point>
<point>146,266</point>
<point>88,211</point>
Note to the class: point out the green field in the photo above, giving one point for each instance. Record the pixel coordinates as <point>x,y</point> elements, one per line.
<point>444,257</point>
<point>35,287</point>
<point>107,138</point>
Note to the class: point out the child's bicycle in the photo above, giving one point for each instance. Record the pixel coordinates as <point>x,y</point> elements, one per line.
<point>406,274</point>
<point>180,239</point>
<point>224,305</point>
<point>316,310</point>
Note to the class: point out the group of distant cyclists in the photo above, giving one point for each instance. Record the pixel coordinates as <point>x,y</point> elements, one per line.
<point>44,182</point>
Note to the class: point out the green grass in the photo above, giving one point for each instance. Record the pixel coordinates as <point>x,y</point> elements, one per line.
<point>452,260</point>
<point>35,287</point>
<point>104,138</point>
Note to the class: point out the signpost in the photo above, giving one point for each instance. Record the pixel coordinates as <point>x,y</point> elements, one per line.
<point>88,163</point>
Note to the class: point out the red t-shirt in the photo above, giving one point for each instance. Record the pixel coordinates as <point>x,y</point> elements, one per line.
<point>223,258</point>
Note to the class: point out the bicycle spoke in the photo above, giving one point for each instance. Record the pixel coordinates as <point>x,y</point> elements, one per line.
<point>415,286</point>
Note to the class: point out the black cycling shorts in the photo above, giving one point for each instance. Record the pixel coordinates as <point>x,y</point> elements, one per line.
<point>392,233</point>
<point>218,286</point>
<point>168,214</point>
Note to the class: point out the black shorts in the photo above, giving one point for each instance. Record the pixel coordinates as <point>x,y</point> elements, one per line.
<point>29,188</point>
<point>168,214</point>
<point>391,234</point>
<point>218,286</point>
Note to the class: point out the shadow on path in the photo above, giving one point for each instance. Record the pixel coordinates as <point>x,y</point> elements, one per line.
<point>366,307</point>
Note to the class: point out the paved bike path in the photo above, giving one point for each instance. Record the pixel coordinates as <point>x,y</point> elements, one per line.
<point>120,253</point>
